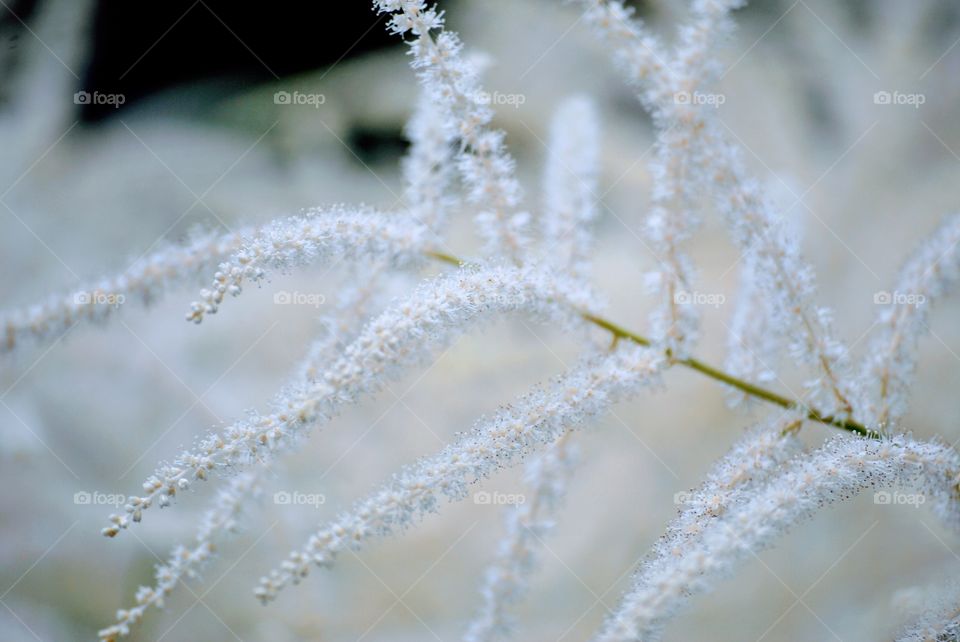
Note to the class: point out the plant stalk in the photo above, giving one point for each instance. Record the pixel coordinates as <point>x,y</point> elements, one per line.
<point>753,390</point>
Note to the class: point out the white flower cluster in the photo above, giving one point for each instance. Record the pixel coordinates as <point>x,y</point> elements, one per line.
<point>931,271</point>
<point>145,280</point>
<point>939,620</point>
<point>712,166</point>
<point>840,469</point>
<point>570,188</point>
<point>402,336</point>
<point>541,268</point>
<point>538,418</point>
<point>315,236</point>
<point>186,561</point>
<point>506,579</point>
<point>484,163</point>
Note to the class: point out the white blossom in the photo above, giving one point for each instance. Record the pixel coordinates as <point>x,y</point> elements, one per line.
<point>402,336</point>
<point>97,301</point>
<point>754,340</point>
<point>667,88</point>
<point>185,562</point>
<point>570,188</point>
<point>506,579</point>
<point>749,464</point>
<point>428,168</point>
<point>939,620</point>
<point>539,417</point>
<point>483,160</point>
<point>317,235</point>
<point>840,469</point>
<point>931,272</point>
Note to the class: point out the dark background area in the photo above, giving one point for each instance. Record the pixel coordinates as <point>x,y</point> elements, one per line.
<point>144,47</point>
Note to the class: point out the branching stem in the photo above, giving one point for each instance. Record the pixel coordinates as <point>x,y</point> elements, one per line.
<point>620,332</point>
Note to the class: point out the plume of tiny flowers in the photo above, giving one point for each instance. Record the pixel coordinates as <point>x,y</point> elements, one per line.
<point>570,187</point>
<point>840,469</point>
<point>784,276</point>
<point>786,279</point>
<point>97,301</point>
<point>317,235</point>
<point>666,83</point>
<point>751,461</point>
<point>507,578</point>
<point>487,168</point>
<point>404,335</point>
<point>222,519</point>
<point>428,167</point>
<point>931,271</point>
<point>754,341</point>
<point>638,53</point>
<point>538,418</point>
<point>185,562</point>
<point>940,619</point>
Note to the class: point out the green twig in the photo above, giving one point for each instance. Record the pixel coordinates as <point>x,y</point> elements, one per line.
<point>620,332</point>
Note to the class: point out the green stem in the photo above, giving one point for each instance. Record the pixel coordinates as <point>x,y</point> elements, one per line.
<point>620,332</point>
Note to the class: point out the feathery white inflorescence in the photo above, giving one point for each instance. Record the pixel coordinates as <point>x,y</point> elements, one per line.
<point>840,469</point>
<point>407,333</point>
<point>749,463</point>
<point>932,270</point>
<point>785,278</point>
<point>667,89</point>
<point>428,168</point>
<point>668,85</point>
<point>506,580</point>
<point>639,54</point>
<point>316,235</point>
<point>940,619</point>
<point>538,418</point>
<point>145,280</point>
<point>483,160</point>
<point>222,519</point>
<point>185,562</point>
<point>754,341</point>
<point>570,188</point>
